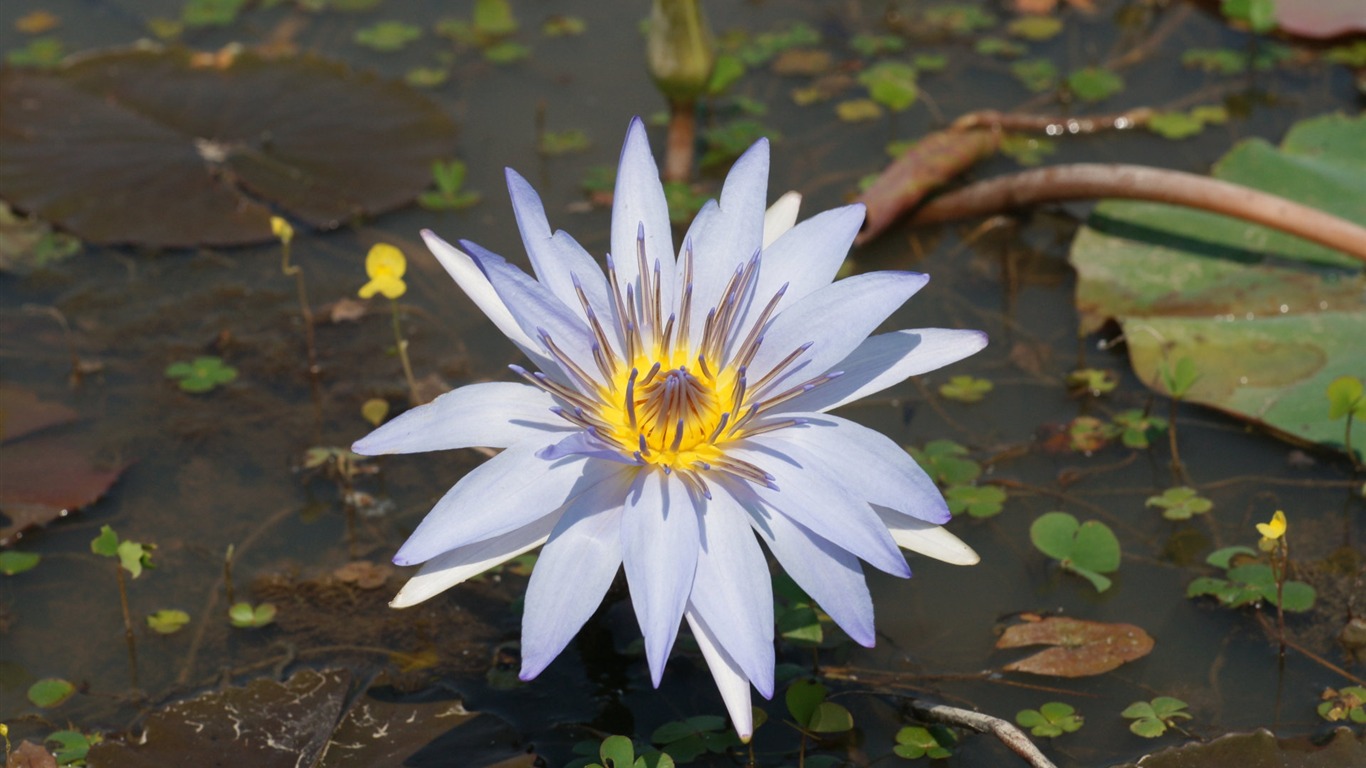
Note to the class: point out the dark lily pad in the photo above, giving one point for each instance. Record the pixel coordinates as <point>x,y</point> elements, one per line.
<point>1261,748</point>
<point>1267,320</point>
<point>155,148</point>
<point>1080,648</point>
<point>305,721</point>
<point>48,476</point>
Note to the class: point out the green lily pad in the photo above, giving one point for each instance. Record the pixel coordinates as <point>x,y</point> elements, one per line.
<point>200,153</point>
<point>1268,320</point>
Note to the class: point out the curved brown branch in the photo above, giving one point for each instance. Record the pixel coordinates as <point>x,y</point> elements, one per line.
<point>933,160</point>
<point>1083,181</point>
<point>1003,730</point>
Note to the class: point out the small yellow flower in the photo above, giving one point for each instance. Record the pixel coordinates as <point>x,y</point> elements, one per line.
<point>281,229</point>
<point>385,266</point>
<point>1271,532</point>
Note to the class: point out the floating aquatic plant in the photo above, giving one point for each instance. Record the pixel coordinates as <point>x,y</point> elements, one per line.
<point>679,409</point>
<point>1052,719</point>
<point>1152,718</point>
<point>201,374</point>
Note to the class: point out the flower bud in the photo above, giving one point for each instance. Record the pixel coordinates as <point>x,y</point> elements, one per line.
<point>680,48</point>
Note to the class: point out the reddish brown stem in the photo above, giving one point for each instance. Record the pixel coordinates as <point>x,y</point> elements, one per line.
<point>678,153</point>
<point>932,162</point>
<point>1093,180</point>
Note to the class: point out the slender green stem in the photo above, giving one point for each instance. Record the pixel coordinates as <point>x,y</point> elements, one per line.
<point>1347,441</point>
<point>403,355</point>
<point>127,623</point>
<point>1281,558</point>
<point>227,575</point>
<point>1177,467</point>
<point>297,272</point>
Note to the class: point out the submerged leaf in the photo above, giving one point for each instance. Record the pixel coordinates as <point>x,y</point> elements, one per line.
<point>1081,648</point>
<point>194,148</point>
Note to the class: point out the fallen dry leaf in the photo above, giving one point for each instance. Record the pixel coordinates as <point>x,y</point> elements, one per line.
<point>46,478</point>
<point>21,412</point>
<point>1081,648</point>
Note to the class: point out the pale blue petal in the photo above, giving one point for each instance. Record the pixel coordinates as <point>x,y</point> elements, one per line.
<point>829,574</point>
<point>885,360</point>
<point>451,568</point>
<point>491,414</point>
<point>573,572</point>
<point>868,463</point>
<point>500,495</point>
<point>639,202</point>
<point>730,681</point>
<point>659,548</point>
<point>537,310</point>
<point>558,259</point>
<point>860,303</point>
<point>811,493</point>
<point>731,233</point>
<point>733,590</point>
<point>582,443</point>
<point>476,285</point>
<point>805,259</point>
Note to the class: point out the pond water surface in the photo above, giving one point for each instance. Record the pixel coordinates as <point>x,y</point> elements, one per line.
<point>227,468</point>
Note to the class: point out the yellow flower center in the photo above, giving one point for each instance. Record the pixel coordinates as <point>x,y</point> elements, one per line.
<point>671,415</point>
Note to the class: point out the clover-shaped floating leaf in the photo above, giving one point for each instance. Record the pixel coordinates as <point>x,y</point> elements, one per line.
<point>388,36</point>
<point>449,193</point>
<point>965,389</point>
<point>1087,549</point>
<point>1092,381</point>
<point>1038,75</point>
<point>194,150</point>
<point>808,707</point>
<point>248,616</point>
<point>976,500</point>
<point>50,692</point>
<point>1347,704</point>
<point>1036,28</point>
<point>686,740</point>
<point>202,374</point>
<point>943,460</point>
<point>914,742</point>
<point>1052,719</point>
<point>1136,428</point>
<point>1180,503</point>
<point>70,747</point>
<point>1252,582</point>
<point>1152,718</point>
<point>1081,648</point>
<point>1094,84</point>
<point>891,84</point>
<point>168,621</point>
<point>1346,397</point>
<point>13,562</point>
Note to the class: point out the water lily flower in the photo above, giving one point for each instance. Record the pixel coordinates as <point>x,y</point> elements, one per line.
<point>385,265</point>
<point>677,417</point>
<point>1272,532</point>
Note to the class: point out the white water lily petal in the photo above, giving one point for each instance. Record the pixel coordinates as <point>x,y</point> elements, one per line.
<point>875,295</point>
<point>780,216</point>
<point>886,360</point>
<point>638,202</point>
<point>558,259</point>
<point>869,464</point>
<point>573,572</point>
<point>811,494</point>
<point>458,565</point>
<point>829,574</point>
<point>491,414</point>
<point>659,550</point>
<point>729,235</point>
<point>504,493</point>
<point>733,590</point>
<point>927,538</point>
<point>730,681</point>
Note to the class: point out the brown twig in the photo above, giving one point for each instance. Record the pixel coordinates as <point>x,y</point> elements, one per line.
<point>921,169</point>
<point>1082,181</point>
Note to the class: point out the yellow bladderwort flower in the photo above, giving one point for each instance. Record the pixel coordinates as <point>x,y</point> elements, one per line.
<point>385,265</point>
<point>1272,532</point>
<point>281,229</point>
